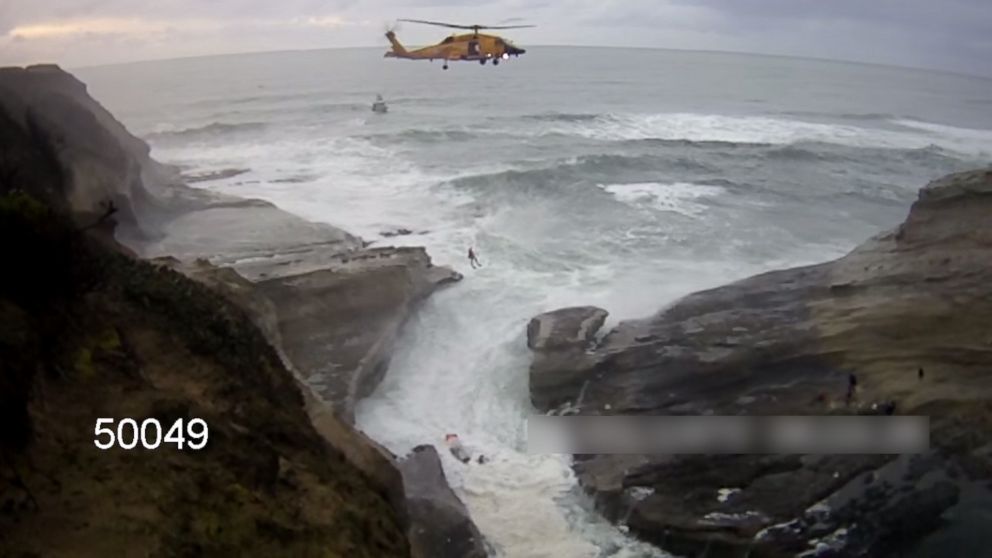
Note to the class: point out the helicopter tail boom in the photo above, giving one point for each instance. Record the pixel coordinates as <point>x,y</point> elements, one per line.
<point>399,51</point>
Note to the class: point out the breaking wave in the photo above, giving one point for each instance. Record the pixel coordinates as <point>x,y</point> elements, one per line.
<point>561,117</point>
<point>677,197</point>
<point>211,131</point>
<point>420,135</point>
<point>852,116</point>
<point>744,130</point>
<point>561,176</point>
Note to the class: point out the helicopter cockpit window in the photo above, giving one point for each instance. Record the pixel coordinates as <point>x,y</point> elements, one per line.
<point>447,40</point>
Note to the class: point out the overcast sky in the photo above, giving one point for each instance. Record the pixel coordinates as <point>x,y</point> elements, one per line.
<point>946,34</point>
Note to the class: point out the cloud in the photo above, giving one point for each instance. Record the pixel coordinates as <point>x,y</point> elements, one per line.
<point>105,26</point>
<point>949,34</point>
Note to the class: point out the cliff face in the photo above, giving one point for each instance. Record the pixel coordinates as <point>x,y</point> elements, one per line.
<point>156,344</point>
<point>88,332</point>
<point>338,306</point>
<point>59,144</point>
<point>909,313</point>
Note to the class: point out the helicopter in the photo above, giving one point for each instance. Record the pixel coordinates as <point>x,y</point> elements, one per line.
<point>466,46</point>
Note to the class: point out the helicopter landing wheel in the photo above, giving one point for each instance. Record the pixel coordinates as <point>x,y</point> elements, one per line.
<point>495,61</point>
<point>482,61</point>
<point>445,67</point>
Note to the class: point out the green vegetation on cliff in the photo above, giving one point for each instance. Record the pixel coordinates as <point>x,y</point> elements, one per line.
<point>87,331</point>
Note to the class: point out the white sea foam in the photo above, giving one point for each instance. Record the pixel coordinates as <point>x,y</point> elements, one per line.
<point>462,364</point>
<point>678,197</point>
<point>765,130</point>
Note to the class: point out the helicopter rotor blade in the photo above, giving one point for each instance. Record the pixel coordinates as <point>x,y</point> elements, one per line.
<point>505,26</point>
<point>439,24</point>
<point>469,27</point>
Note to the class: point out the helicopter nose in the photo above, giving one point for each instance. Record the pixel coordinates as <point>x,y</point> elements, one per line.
<point>514,51</point>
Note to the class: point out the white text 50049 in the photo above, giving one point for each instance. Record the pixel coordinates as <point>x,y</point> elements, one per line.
<point>128,434</point>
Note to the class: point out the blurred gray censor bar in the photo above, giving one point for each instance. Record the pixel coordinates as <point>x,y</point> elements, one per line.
<point>871,434</point>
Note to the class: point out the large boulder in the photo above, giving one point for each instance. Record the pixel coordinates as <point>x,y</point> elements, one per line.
<point>559,339</point>
<point>439,525</point>
<point>564,329</point>
<point>909,313</point>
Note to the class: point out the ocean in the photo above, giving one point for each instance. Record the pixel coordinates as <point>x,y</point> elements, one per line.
<point>624,178</point>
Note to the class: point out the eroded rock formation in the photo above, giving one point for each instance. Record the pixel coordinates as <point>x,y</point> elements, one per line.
<point>329,307</point>
<point>908,312</point>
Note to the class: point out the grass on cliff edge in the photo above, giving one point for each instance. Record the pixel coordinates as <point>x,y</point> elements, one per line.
<point>88,332</point>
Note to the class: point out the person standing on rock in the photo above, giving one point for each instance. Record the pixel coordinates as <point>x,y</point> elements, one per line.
<point>473,259</point>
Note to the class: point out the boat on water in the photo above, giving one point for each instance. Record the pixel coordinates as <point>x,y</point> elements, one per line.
<point>379,106</point>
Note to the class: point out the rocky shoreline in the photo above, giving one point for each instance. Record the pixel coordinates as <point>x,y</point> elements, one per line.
<point>909,313</point>
<point>162,300</point>
<point>329,306</point>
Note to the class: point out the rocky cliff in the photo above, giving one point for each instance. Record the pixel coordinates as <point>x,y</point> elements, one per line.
<point>909,313</point>
<point>61,145</point>
<point>309,301</point>
<point>88,332</point>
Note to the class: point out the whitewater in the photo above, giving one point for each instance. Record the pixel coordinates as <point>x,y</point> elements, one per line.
<point>620,181</point>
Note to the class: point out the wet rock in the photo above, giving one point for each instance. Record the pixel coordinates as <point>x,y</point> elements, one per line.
<point>213,175</point>
<point>559,339</point>
<point>339,323</point>
<point>439,523</point>
<point>565,328</point>
<point>785,342</point>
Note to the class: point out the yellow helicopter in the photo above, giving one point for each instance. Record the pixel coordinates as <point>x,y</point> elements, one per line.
<point>467,46</point>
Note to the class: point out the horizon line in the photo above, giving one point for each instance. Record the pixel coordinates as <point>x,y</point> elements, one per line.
<point>959,73</point>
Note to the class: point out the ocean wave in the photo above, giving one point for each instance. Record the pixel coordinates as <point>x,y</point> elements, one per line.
<point>799,152</point>
<point>701,128</point>
<point>611,163</point>
<point>561,177</point>
<point>869,116</point>
<point>930,156</point>
<point>333,107</point>
<point>853,116</point>
<point>421,135</point>
<point>561,117</point>
<point>761,130</point>
<point>208,131</point>
<point>676,197</point>
<point>262,96</point>
<point>952,132</point>
<point>700,144</point>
